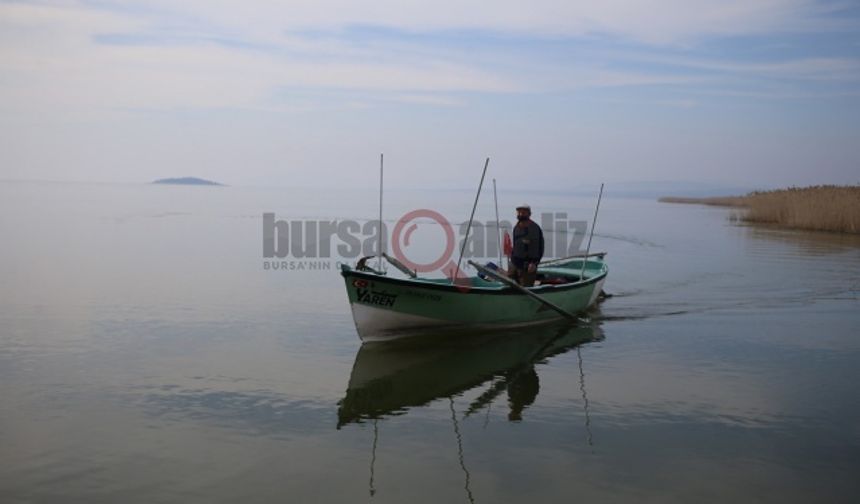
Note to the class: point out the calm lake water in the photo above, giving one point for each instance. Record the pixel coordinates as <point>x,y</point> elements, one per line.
<point>146,355</point>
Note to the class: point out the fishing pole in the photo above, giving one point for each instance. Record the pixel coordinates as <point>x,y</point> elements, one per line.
<point>379,252</point>
<point>593,223</point>
<point>469,226</point>
<point>498,226</point>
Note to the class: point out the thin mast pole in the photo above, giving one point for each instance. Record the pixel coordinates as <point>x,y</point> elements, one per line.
<point>498,227</point>
<point>593,223</point>
<point>379,244</point>
<point>469,227</point>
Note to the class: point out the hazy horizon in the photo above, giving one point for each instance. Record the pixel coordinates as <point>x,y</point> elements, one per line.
<point>646,189</point>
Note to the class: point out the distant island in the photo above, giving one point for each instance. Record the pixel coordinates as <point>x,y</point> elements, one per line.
<point>187,181</point>
<point>818,208</point>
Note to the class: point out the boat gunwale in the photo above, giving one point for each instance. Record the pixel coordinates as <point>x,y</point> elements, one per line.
<point>347,271</point>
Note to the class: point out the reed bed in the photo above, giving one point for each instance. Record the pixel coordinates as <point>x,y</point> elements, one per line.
<point>817,208</point>
<point>822,208</point>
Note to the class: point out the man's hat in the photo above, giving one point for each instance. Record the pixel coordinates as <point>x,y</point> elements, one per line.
<point>524,207</point>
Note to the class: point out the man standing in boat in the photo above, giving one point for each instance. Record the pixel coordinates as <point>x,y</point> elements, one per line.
<point>527,248</point>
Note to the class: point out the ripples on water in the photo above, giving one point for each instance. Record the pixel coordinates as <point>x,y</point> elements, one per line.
<point>145,356</point>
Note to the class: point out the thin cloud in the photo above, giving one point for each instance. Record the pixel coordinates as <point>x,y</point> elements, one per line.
<point>650,21</point>
<point>427,99</point>
<point>209,54</point>
<point>532,84</point>
<point>89,69</point>
<point>819,68</point>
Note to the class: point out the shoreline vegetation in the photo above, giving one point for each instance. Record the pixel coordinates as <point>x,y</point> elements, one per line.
<point>817,208</point>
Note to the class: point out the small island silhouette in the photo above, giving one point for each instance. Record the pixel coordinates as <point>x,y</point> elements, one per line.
<point>187,181</point>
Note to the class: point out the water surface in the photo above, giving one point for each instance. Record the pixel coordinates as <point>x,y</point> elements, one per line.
<point>147,356</point>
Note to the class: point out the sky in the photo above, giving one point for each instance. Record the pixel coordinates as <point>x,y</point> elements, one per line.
<point>558,94</point>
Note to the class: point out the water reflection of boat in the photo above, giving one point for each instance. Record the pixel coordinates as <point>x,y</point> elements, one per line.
<point>388,379</point>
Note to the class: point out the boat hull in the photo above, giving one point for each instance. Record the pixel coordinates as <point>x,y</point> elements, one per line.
<point>385,308</point>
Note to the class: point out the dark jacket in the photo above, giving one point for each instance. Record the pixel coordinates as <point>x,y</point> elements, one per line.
<point>528,243</point>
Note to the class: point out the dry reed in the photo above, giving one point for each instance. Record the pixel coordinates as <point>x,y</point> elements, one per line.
<point>819,208</point>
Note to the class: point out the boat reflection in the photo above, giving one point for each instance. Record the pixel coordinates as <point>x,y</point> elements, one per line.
<point>389,378</point>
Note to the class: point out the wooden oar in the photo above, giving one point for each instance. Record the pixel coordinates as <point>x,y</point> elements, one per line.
<point>575,256</point>
<point>399,265</point>
<point>511,283</point>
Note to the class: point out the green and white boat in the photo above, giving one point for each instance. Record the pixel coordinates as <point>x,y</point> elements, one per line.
<point>386,307</point>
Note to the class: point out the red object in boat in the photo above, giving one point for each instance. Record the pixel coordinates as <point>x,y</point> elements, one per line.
<point>508,246</point>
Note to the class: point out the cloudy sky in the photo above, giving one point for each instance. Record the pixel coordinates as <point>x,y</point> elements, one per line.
<point>740,93</point>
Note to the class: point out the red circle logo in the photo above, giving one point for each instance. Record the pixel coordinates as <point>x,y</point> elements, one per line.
<point>444,263</point>
<point>398,240</point>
